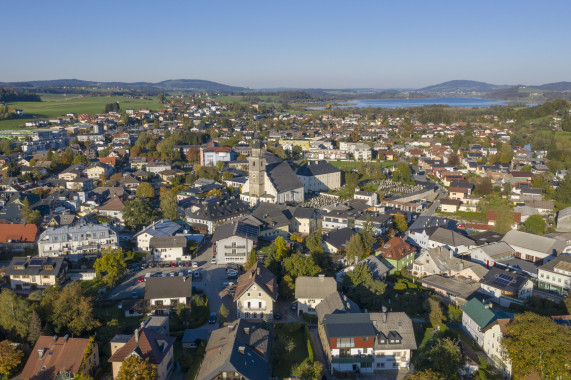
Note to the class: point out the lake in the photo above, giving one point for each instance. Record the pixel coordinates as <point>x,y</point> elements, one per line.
<point>403,103</point>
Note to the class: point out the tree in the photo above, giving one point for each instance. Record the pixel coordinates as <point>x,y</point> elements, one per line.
<point>484,187</point>
<point>14,314</point>
<point>504,219</point>
<point>563,192</point>
<point>80,159</point>
<point>138,213</point>
<point>535,225</point>
<point>402,172</point>
<point>281,248</point>
<point>169,205</point>
<point>308,371</point>
<point>28,215</point>
<point>436,316</point>
<point>356,248</point>
<point>427,374</point>
<point>535,342</point>
<point>367,235</point>
<point>116,177</point>
<point>313,242</point>
<point>34,327</point>
<point>298,265</point>
<point>135,368</point>
<point>287,287</point>
<point>10,357</point>
<point>220,165</point>
<point>362,288</point>
<point>111,265</point>
<point>400,223</point>
<point>68,310</point>
<point>145,190</point>
<point>253,259</point>
<point>214,193</point>
<point>223,313</point>
<point>446,357</point>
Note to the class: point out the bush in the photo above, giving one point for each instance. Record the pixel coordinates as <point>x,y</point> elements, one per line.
<point>454,313</point>
<point>400,287</point>
<point>309,318</point>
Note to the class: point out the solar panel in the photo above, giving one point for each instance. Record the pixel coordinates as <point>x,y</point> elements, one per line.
<point>502,282</point>
<point>505,277</point>
<point>247,230</point>
<point>36,262</point>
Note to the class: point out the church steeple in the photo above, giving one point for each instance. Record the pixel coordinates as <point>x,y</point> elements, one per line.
<point>257,169</point>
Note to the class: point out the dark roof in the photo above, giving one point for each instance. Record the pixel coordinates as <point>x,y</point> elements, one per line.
<point>168,241</point>
<point>348,325</point>
<point>486,237</point>
<point>261,276</point>
<point>505,280</point>
<point>393,325</point>
<point>193,335</point>
<point>35,266</point>
<point>335,303</point>
<point>151,345</point>
<point>217,209</point>
<point>168,287</point>
<point>423,222</point>
<point>273,215</point>
<point>315,287</point>
<point>304,212</point>
<point>238,228</point>
<point>240,346</point>
<point>281,174</point>
<point>479,313</point>
<point>339,237</point>
<point>451,238</point>
<point>313,168</point>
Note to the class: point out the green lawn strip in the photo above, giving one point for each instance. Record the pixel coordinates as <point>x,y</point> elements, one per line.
<point>283,365</point>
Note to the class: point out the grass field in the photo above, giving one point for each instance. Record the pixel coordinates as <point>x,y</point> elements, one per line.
<point>59,105</point>
<point>350,165</point>
<point>285,362</point>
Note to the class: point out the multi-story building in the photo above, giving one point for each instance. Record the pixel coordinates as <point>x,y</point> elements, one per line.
<point>232,242</point>
<point>28,273</point>
<point>310,291</point>
<point>212,154</point>
<point>76,241</point>
<point>165,293</point>
<point>505,287</point>
<point>494,334</point>
<point>169,248</point>
<point>17,237</point>
<point>163,227</point>
<point>256,293</point>
<point>555,276</point>
<point>317,176</point>
<point>398,253</point>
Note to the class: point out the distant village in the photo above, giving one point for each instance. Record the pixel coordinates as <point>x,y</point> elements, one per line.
<point>208,240</point>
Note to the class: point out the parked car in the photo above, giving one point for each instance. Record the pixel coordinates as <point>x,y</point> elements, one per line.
<point>157,274</point>
<point>232,266</point>
<point>196,275</point>
<point>173,265</point>
<point>181,264</point>
<point>294,306</point>
<point>195,264</point>
<point>181,273</point>
<point>141,279</point>
<point>227,284</point>
<point>213,260</point>
<point>186,264</point>
<point>134,295</point>
<point>277,316</point>
<point>212,318</point>
<point>231,273</point>
<point>172,274</point>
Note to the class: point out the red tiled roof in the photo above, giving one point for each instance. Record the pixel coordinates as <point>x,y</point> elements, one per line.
<point>24,233</point>
<point>396,249</point>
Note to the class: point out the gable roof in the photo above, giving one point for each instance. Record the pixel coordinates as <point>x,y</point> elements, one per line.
<point>533,242</point>
<point>479,313</point>
<point>314,287</point>
<point>238,228</point>
<point>149,344</point>
<point>61,354</point>
<point>168,242</point>
<point>114,204</point>
<point>396,249</point>
<point>390,323</point>
<point>505,280</point>
<point>168,287</point>
<point>261,276</point>
<point>335,303</point>
<point>339,237</point>
<point>348,325</point>
<point>451,238</point>
<point>163,227</point>
<point>281,175</point>
<point>313,168</point>
<point>23,233</point>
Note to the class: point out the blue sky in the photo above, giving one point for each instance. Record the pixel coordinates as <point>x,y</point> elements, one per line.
<point>262,44</point>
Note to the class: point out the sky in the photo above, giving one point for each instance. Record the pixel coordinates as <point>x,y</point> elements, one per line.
<point>293,44</point>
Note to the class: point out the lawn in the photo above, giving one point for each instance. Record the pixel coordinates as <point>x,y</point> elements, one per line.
<point>476,217</point>
<point>350,165</point>
<point>59,105</point>
<point>291,343</point>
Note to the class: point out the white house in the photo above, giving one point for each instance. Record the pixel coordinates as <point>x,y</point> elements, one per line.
<point>310,291</point>
<point>163,227</point>
<point>317,176</point>
<point>232,242</point>
<point>164,293</point>
<point>475,317</point>
<point>168,248</point>
<point>493,335</point>
<point>505,287</point>
<point>555,276</point>
<point>531,247</point>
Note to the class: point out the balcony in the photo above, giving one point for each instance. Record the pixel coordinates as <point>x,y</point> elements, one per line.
<point>235,246</point>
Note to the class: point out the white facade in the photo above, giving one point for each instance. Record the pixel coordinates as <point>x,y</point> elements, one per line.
<point>322,182</point>
<point>499,298</point>
<point>169,254</point>
<point>233,249</point>
<point>78,241</point>
<point>493,348</point>
<point>158,302</point>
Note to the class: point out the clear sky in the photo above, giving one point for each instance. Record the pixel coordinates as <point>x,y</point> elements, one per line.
<point>263,44</point>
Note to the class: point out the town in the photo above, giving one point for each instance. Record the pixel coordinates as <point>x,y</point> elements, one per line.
<point>234,237</point>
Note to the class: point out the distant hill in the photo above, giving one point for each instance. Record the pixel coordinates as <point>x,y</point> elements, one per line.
<point>557,86</point>
<point>167,85</point>
<point>462,86</point>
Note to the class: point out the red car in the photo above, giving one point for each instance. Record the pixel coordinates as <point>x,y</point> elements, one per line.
<point>141,279</point>
<point>173,265</point>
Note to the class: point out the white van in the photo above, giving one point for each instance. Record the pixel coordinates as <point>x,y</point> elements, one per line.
<point>148,275</point>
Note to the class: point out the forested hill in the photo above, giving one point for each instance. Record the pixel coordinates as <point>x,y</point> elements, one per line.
<point>462,86</point>
<point>13,95</point>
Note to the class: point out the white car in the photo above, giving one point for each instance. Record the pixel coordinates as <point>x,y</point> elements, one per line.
<point>195,264</point>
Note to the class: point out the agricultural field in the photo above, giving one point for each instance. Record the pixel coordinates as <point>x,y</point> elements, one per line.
<point>59,105</point>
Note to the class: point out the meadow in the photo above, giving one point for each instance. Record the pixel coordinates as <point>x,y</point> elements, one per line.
<point>59,105</point>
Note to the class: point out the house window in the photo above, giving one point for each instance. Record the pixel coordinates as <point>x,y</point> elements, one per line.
<point>248,294</point>
<point>366,339</point>
<point>345,342</point>
<point>259,294</point>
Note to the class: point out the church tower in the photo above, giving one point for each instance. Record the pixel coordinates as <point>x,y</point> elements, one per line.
<point>257,169</point>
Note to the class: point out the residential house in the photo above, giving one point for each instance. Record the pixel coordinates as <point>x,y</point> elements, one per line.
<point>441,261</point>
<point>239,350</point>
<point>168,248</point>
<point>449,239</point>
<point>369,197</point>
<point>76,241</point>
<point>56,357</point>
<point>146,344</point>
<point>335,303</point>
<point>532,247</point>
<point>29,273</point>
<point>211,213</point>
<point>212,154</point>
<point>256,293</point>
<point>96,171</point>
<point>555,276</point>
<point>17,237</point>
<point>304,220</point>
<point>494,334</point>
<point>475,317</point>
<point>335,241</point>
<point>378,269</point>
<point>449,205</point>
<point>505,287</point>
<point>162,227</point>
<point>489,254</point>
<point>419,232</point>
<point>156,167</point>
<point>165,293</point>
<point>564,220</point>
<point>113,209</point>
<point>310,291</point>
<point>318,176</point>
<point>454,290</point>
<point>169,175</point>
<point>232,242</point>
<point>397,253</point>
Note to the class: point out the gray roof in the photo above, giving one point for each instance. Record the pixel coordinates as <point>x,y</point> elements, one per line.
<point>339,237</point>
<point>522,265</point>
<point>273,215</point>
<point>314,287</point>
<point>348,325</point>
<point>35,266</point>
<point>163,227</point>
<point>423,222</point>
<point>193,335</point>
<point>304,212</point>
<point>450,238</point>
<point>462,288</point>
<point>281,175</point>
<point>335,303</point>
<point>387,323</point>
<point>505,280</point>
<point>498,250</point>
<point>168,242</point>
<point>562,262</point>
<point>223,351</point>
<point>239,228</point>
<point>313,168</point>
<point>217,209</point>
<point>533,242</point>
<point>486,237</point>
<point>168,287</point>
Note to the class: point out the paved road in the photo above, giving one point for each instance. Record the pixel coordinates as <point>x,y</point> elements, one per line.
<point>432,209</point>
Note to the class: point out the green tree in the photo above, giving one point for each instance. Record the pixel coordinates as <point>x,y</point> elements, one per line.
<point>135,368</point>
<point>252,259</point>
<point>34,327</point>
<point>446,357</point>
<point>281,248</point>
<point>28,215</point>
<point>504,219</point>
<point>563,192</point>
<point>220,165</point>
<point>356,248</point>
<point>362,288</point>
<point>308,371</point>
<point>402,172</point>
<point>169,205</point>
<point>534,224</point>
<point>10,357</point>
<point>80,159</point>
<point>145,190</point>
<point>287,287</point>
<point>535,342</point>
<point>223,313</point>
<point>68,310</point>
<point>14,314</point>
<point>436,316</point>
<point>367,235</point>
<point>313,242</point>
<point>111,266</point>
<point>138,213</point>
<point>298,265</point>
<point>427,374</point>
<point>484,187</point>
<point>399,222</point>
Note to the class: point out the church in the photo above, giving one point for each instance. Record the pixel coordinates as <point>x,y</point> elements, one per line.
<point>270,179</point>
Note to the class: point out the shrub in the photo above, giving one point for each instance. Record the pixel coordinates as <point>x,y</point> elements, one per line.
<point>309,318</point>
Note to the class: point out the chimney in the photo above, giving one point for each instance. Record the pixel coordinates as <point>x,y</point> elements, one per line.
<point>55,338</point>
<point>384,317</point>
<point>41,353</point>
<point>137,335</point>
<point>65,338</point>
<point>230,328</point>
<point>246,330</point>
<point>242,349</point>
<point>321,277</point>
<point>258,271</point>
